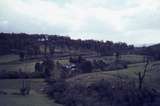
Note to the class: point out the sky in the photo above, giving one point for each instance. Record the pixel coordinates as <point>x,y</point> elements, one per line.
<point>131,21</point>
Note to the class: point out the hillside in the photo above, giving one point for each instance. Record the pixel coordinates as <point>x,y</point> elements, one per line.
<point>38,44</point>
<point>152,78</point>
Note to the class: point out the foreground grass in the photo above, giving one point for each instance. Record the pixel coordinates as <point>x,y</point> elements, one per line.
<point>36,98</point>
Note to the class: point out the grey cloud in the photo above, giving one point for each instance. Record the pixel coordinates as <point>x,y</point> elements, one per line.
<point>139,28</point>
<point>94,25</point>
<point>144,20</point>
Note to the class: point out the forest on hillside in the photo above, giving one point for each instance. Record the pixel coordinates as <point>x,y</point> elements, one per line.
<point>32,44</point>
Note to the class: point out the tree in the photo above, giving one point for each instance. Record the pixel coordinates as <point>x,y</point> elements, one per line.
<point>141,75</point>
<point>21,56</point>
<point>9,42</point>
<point>86,66</point>
<point>48,66</point>
<point>51,49</point>
<point>117,57</point>
<point>37,67</point>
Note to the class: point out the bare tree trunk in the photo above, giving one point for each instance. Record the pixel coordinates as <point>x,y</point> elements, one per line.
<point>140,80</point>
<point>141,75</point>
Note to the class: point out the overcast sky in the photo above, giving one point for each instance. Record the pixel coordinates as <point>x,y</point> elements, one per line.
<point>131,21</point>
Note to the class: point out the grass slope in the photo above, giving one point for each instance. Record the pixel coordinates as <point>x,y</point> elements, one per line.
<point>152,78</point>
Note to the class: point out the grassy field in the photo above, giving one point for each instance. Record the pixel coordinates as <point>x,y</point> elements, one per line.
<point>152,78</point>
<point>36,98</point>
<point>12,86</point>
<point>8,58</point>
<point>26,67</point>
<point>12,63</point>
<point>129,58</point>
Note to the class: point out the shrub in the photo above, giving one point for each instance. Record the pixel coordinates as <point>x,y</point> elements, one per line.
<point>56,90</point>
<point>100,64</point>
<point>86,67</point>
<point>38,67</point>
<point>100,93</point>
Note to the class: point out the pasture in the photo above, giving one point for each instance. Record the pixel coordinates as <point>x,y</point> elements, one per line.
<point>132,59</point>
<point>12,98</point>
<point>11,87</point>
<point>37,98</point>
<point>152,78</point>
<point>12,63</point>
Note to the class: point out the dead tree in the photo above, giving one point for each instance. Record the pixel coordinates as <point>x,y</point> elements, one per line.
<point>141,75</point>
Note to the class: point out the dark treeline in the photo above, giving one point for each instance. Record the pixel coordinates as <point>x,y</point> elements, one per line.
<point>32,44</point>
<point>153,51</point>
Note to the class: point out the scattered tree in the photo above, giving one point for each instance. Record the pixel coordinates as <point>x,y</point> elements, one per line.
<point>21,56</point>
<point>38,67</point>
<point>86,66</point>
<point>142,75</point>
<point>48,67</point>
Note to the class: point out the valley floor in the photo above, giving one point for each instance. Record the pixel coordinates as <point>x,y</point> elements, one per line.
<point>12,98</point>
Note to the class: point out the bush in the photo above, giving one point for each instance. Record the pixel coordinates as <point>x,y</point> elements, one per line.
<point>48,66</point>
<point>38,67</point>
<point>86,67</point>
<point>101,93</point>
<point>77,60</point>
<point>99,64</point>
<point>56,90</point>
